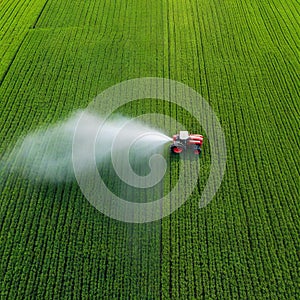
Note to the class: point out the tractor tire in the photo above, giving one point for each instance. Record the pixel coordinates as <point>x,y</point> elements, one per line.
<point>197,151</point>
<point>176,149</point>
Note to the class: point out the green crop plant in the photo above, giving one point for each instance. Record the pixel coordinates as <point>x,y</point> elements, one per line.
<point>243,58</point>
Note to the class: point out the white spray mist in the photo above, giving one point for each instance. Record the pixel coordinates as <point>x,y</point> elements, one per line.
<point>46,154</point>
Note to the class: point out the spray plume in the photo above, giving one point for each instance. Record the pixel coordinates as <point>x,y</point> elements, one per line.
<point>46,154</point>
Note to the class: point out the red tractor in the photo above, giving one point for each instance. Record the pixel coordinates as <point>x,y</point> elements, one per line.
<point>184,142</point>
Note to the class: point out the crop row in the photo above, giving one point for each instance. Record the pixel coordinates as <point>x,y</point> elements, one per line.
<point>237,246</point>
<point>241,58</point>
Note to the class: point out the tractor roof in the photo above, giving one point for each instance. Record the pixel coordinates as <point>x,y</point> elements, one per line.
<point>183,135</point>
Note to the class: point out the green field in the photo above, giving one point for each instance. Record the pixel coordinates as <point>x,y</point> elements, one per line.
<point>243,58</point>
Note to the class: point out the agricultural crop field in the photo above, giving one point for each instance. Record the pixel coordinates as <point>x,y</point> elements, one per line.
<point>243,58</point>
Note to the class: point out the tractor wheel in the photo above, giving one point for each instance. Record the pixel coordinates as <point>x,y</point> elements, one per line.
<point>176,149</point>
<point>197,151</point>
